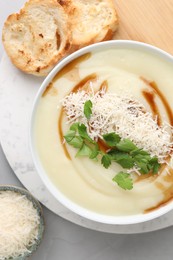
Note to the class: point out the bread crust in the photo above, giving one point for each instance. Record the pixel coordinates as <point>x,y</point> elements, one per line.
<point>44,31</point>
<point>38,37</point>
<point>91,21</point>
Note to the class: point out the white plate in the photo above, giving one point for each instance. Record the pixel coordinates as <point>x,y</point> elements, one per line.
<point>17,91</point>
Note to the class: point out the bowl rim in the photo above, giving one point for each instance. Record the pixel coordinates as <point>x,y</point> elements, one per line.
<point>37,206</point>
<point>65,201</point>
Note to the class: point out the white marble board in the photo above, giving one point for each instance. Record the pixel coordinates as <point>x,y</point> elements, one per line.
<point>17,91</point>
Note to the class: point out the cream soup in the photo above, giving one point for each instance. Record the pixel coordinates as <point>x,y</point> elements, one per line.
<point>145,77</point>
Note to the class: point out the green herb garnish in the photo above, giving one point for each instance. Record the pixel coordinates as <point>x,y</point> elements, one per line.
<point>124,180</point>
<point>122,158</point>
<point>106,160</point>
<point>78,137</point>
<point>76,142</point>
<point>82,130</point>
<point>87,109</point>
<point>111,139</point>
<point>122,151</point>
<point>95,152</point>
<point>85,150</point>
<point>69,136</point>
<point>126,145</point>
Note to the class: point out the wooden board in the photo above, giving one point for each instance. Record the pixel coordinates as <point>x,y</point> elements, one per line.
<point>149,21</point>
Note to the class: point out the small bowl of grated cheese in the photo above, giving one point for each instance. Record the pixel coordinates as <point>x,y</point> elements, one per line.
<point>21,223</point>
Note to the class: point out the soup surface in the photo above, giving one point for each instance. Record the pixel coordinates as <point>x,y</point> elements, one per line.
<point>144,76</point>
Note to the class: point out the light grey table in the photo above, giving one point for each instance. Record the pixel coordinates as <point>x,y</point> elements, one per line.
<point>66,241</point>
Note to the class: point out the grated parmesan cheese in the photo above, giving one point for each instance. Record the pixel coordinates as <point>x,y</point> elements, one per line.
<point>122,115</point>
<point>18,224</point>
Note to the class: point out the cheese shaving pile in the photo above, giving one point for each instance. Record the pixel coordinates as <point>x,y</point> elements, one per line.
<point>18,224</point>
<point>122,115</point>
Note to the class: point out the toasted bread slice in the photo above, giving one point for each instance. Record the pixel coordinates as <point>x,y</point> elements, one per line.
<point>38,37</point>
<point>91,21</point>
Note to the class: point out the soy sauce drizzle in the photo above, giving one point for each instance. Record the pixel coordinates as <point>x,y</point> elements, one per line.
<point>165,103</point>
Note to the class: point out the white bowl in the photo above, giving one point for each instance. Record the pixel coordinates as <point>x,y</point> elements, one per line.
<point>121,220</point>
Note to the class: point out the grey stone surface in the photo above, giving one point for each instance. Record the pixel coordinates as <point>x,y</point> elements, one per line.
<point>64,240</point>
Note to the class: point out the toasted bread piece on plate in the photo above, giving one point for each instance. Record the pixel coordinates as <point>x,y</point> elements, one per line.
<point>91,21</point>
<point>38,37</point>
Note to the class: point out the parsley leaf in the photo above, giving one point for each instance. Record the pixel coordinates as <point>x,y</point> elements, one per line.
<point>82,130</point>
<point>126,145</point>
<point>146,163</point>
<point>74,126</point>
<point>142,158</point>
<point>69,135</point>
<point>106,161</point>
<point>143,167</point>
<point>95,152</point>
<point>76,142</point>
<point>87,109</point>
<point>124,180</point>
<point>127,163</point>
<point>85,150</point>
<point>138,151</point>
<point>156,168</point>
<point>122,158</point>
<point>111,139</point>
<point>154,164</point>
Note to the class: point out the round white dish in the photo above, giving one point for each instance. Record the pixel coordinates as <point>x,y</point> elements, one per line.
<point>54,190</point>
<point>17,91</point>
